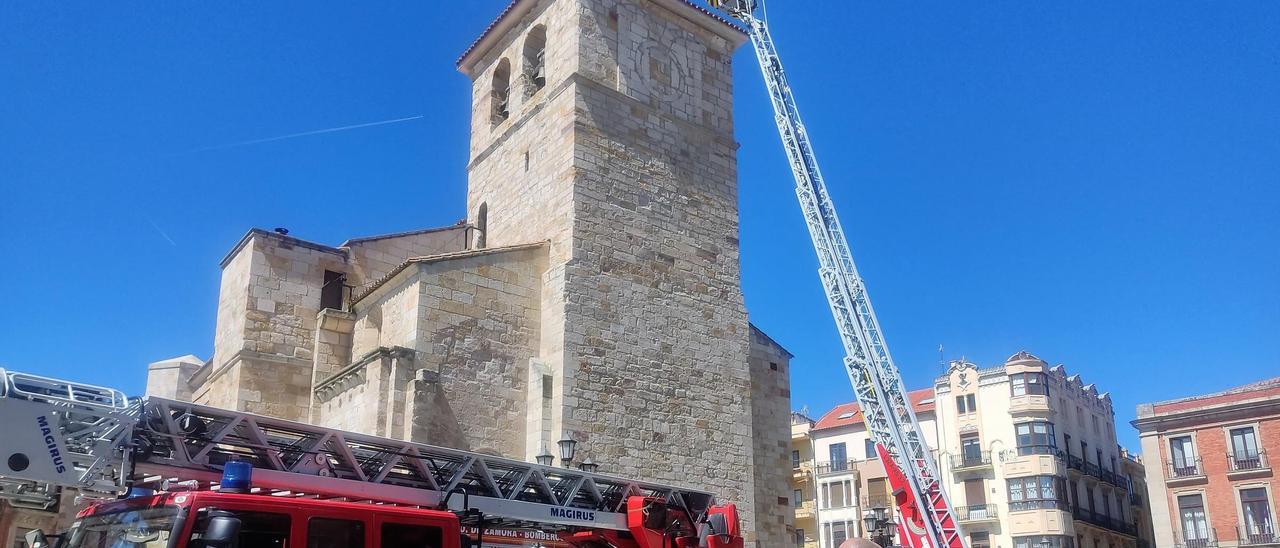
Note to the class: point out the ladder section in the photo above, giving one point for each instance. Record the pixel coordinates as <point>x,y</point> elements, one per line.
<point>108,443</point>
<point>876,381</point>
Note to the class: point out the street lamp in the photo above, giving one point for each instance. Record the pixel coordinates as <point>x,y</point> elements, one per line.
<point>589,466</point>
<point>545,458</point>
<point>567,448</point>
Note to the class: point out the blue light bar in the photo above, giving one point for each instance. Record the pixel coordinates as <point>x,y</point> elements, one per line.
<point>236,477</point>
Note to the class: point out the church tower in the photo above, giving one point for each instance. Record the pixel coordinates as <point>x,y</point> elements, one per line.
<point>605,128</point>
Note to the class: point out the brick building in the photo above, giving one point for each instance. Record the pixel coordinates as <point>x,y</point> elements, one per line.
<point>1209,472</point>
<point>592,292</point>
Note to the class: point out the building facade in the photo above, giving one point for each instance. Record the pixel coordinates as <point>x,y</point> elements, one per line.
<point>1030,457</point>
<point>848,481</point>
<point>592,292</point>
<point>1027,453</point>
<point>804,487</point>
<point>1209,475</point>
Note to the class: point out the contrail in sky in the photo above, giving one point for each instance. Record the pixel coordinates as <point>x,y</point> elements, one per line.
<point>303,134</point>
<point>158,229</point>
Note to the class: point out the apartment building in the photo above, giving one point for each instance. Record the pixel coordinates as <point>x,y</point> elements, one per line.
<point>1134,471</point>
<point>1210,480</point>
<point>1030,457</point>
<point>804,488</point>
<point>852,493</point>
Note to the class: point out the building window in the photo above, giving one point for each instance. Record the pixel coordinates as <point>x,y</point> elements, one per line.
<point>1043,541</point>
<point>1244,449</point>
<point>1032,492</point>
<point>971,450</point>
<point>773,366</point>
<point>1183,457</point>
<point>797,498</point>
<point>500,93</point>
<point>869,445</point>
<point>966,404</point>
<point>1195,526</point>
<point>535,55</point>
<point>1258,525</point>
<point>331,291</point>
<point>839,457</point>
<point>482,225</point>
<point>1036,438</point>
<point>837,494</point>
<point>795,459</point>
<point>799,537</point>
<point>1022,384</point>
<point>980,539</point>
<point>839,533</point>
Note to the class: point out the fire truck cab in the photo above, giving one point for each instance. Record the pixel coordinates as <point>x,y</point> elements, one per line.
<point>209,519</point>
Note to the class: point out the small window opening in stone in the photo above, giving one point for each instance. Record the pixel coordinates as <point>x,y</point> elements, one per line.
<point>546,387</point>
<point>773,366</point>
<point>331,291</point>
<point>535,59</point>
<point>526,160</point>
<point>500,94</point>
<point>482,225</point>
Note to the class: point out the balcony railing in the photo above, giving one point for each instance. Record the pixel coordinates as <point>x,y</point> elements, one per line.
<point>1246,462</point>
<point>834,467</point>
<point>1257,536</point>
<point>977,512</point>
<point>1102,520</point>
<point>1210,542</point>
<point>805,509</point>
<point>1185,469</point>
<point>971,460</point>
<point>877,501</point>
<point>1075,463</point>
<point>1135,499</point>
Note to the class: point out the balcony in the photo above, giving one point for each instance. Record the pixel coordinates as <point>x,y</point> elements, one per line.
<point>1073,462</point>
<point>1210,542</point>
<point>1104,521</point>
<point>1247,464</point>
<point>976,513</point>
<point>806,510</point>
<point>801,472</point>
<point>1185,472</point>
<point>1267,537</point>
<point>980,460</point>
<point>828,468</point>
<point>877,501</point>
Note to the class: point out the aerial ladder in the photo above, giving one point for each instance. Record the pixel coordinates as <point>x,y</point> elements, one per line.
<point>62,434</point>
<point>926,517</point>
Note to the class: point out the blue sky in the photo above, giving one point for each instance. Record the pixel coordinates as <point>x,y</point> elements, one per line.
<point>1095,182</point>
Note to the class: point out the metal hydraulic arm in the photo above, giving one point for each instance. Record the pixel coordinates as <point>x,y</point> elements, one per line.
<point>94,439</point>
<point>888,413</point>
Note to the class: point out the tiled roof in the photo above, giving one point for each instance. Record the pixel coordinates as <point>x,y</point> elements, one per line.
<point>921,401</point>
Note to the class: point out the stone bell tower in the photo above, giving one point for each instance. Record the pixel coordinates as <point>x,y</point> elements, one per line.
<point>605,127</point>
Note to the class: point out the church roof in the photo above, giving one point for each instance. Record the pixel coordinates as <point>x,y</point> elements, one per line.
<point>366,290</point>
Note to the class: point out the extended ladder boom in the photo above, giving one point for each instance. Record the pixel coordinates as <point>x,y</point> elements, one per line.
<point>96,440</point>
<point>888,413</point>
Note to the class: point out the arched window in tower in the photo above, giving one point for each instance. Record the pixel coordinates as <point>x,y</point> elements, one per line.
<point>482,224</point>
<point>500,94</point>
<point>535,60</point>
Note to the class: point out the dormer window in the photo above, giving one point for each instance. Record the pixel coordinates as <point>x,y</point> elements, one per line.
<point>500,96</point>
<point>535,60</point>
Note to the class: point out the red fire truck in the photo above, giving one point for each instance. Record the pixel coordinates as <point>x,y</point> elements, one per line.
<point>171,474</point>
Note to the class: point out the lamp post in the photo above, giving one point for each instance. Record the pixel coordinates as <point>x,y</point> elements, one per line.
<point>567,448</point>
<point>589,466</point>
<point>545,458</point>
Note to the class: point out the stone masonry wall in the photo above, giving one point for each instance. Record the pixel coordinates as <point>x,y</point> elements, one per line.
<point>472,322</point>
<point>372,258</point>
<point>656,352</point>
<point>771,426</point>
